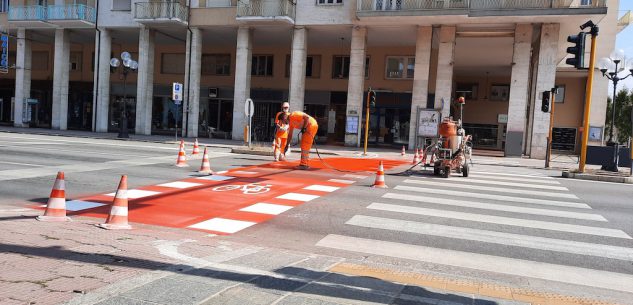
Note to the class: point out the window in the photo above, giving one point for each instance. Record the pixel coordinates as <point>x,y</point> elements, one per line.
<point>75,61</point>
<point>262,65</point>
<point>4,6</point>
<point>400,67</point>
<point>340,67</point>
<point>585,2</point>
<point>121,5</point>
<point>216,64</point>
<point>172,63</point>
<point>330,2</point>
<point>313,66</point>
<point>39,61</point>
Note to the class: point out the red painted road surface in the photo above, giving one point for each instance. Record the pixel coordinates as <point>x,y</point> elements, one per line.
<point>228,202</point>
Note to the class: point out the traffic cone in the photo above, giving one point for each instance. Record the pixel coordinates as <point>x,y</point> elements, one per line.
<point>205,168</point>
<point>380,178</point>
<point>56,205</point>
<point>182,159</point>
<point>403,152</point>
<point>117,220</point>
<point>415,158</point>
<point>196,149</point>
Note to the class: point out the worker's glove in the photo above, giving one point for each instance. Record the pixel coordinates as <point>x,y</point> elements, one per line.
<point>283,128</point>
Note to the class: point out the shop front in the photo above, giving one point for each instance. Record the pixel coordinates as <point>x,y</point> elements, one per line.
<point>389,120</point>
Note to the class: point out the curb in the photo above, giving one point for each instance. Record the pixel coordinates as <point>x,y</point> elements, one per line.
<point>567,174</point>
<point>248,151</point>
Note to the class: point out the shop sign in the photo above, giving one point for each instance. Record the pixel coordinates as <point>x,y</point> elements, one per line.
<point>4,53</point>
<point>502,118</point>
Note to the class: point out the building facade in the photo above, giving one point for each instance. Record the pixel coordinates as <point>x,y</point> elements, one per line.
<point>320,55</point>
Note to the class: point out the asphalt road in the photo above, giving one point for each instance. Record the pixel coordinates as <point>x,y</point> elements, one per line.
<point>506,225</point>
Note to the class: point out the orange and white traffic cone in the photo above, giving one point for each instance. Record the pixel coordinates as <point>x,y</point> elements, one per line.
<point>56,205</point>
<point>403,152</point>
<point>415,157</point>
<point>380,178</point>
<point>117,220</point>
<point>196,148</point>
<point>205,168</point>
<point>182,159</point>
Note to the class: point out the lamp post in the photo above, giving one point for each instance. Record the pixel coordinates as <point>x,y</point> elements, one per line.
<point>610,67</point>
<point>128,65</point>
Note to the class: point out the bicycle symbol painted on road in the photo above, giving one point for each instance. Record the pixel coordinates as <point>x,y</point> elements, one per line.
<point>248,189</point>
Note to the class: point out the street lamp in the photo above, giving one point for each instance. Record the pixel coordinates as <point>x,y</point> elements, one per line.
<point>128,65</point>
<point>610,67</point>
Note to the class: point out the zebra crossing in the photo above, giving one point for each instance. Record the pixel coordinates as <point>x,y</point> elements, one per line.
<point>495,211</point>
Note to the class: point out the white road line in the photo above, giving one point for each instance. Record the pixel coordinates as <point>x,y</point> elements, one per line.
<point>508,221</point>
<point>488,263</point>
<point>134,194</point>
<point>18,163</point>
<point>266,208</point>
<point>321,188</point>
<point>342,181</point>
<point>524,184</point>
<point>222,225</point>
<point>495,207</point>
<point>493,179</point>
<point>354,176</point>
<point>298,197</point>
<point>462,186</point>
<point>536,176</point>
<point>50,139</point>
<point>507,239</point>
<point>493,197</point>
<point>179,184</point>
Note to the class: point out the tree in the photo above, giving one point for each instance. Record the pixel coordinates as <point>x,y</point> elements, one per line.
<point>624,106</point>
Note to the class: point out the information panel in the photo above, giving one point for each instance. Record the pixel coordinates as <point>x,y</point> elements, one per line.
<point>428,123</point>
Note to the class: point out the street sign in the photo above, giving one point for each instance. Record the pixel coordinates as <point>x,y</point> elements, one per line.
<point>249,107</point>
<point>176,93</point>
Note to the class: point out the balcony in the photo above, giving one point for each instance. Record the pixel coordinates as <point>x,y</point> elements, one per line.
<point>66,16</point>
<point>266,11</point>
<point>161,13</point>
<point>71,15</point>
<point>478,8</point>
<point>28,16</point>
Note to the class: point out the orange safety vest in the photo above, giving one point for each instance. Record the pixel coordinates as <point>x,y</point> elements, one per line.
<point>280,133</point>
<point>296,120</point>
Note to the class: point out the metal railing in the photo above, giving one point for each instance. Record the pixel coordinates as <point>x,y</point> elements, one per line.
<point>71,12</point>
<point>266,8</point>
<point>410,5</point>
<point>160,10</point>
<point>31,12</point>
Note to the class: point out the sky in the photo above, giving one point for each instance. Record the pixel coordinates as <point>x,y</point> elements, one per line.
<point>624,41</point>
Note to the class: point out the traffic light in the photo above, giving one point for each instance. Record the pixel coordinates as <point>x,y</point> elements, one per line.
<point>545,101</point>
<point>577,51</point>
<point>372,98</point>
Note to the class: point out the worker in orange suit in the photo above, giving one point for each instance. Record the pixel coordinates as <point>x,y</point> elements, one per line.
<point>308,126</point>
<point>281,134</point>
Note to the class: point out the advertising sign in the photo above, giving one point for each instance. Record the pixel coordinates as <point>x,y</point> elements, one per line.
<point>428,123</point>
<point>4,53</point>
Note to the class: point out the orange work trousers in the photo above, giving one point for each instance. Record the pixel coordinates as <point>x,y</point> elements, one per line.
<point>307,138</point>
<point>280,146</point>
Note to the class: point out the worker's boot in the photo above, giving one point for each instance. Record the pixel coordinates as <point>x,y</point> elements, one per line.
<point>302,167</point>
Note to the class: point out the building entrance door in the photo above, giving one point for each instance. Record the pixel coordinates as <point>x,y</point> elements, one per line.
<point>389,126</point>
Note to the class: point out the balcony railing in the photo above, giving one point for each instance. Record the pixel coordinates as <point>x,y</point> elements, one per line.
<point>27,13</point>
<point>266,8</point>
<point>160,10</point>
<point>413,5</point>
<point>71,12</point>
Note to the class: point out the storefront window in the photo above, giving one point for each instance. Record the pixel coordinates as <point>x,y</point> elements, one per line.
<point>165,115</point>
<point>116,111</point>
<point>483,135</point>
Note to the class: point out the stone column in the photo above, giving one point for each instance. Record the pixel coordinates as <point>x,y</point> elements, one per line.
<point>420,78</point>
<point>145,81</point>
<point>444,83</point>
<point>298,68</point>
<point>22,76</point>
<point>242,91</point>
<point>355,84</point>
<point>519,89</point>
<point>192,80</point>
<point>545,80</point>
<point>61,67</point>
<point>104,48</point>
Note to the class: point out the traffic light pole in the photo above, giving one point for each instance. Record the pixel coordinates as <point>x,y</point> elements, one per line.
<point>588,92</point>
<point>367,122</point>
<point>548,156</point>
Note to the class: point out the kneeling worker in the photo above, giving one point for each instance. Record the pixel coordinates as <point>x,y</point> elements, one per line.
<point>281,134</point>
<point>308,126</point>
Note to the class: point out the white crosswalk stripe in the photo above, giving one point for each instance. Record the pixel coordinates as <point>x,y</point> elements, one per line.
<point>493,197</point>
<point>463,186</point>
<point>539,214</point>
